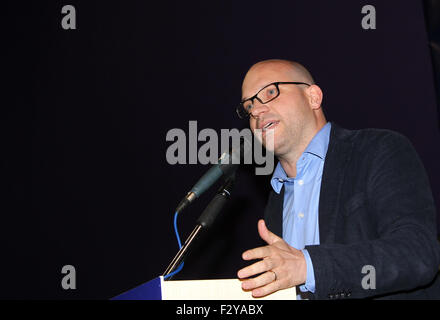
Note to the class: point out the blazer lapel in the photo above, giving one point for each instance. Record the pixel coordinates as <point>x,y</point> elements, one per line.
<point>273,214</point>
<point>338,155</point>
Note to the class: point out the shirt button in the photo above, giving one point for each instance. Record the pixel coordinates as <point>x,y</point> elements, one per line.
<point>300,182</point>
<point>301,215</point>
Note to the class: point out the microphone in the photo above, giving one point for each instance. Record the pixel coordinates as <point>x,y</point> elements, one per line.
<point>205,221</point>
<point>208,216</point>
<point>227,165</point>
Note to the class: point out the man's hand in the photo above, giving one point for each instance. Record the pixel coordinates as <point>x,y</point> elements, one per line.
<point>282,266</point>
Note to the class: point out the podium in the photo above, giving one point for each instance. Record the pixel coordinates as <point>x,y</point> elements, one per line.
<point>223,289</point>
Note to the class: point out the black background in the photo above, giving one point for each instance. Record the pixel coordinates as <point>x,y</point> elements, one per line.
<point>85,112</point>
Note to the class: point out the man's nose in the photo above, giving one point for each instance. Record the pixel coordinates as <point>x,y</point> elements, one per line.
<point>258,109</point>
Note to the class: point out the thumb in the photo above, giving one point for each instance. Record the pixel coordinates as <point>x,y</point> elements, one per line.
<point>266,234</point>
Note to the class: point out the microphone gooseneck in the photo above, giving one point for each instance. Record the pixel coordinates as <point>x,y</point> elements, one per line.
<point>205,221</point>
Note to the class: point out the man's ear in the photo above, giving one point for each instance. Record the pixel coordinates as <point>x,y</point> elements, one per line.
<point>315,96</point>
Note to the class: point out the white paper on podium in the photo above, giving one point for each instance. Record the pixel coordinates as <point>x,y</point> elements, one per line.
<point>224,289</point>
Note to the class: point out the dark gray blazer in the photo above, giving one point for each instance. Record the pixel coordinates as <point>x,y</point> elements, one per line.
<point>375,209</point>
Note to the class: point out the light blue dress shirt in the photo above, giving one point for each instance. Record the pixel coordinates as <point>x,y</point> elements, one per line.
<point>301,199</point>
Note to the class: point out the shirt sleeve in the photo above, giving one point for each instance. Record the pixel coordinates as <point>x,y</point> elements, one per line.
<point>310,278</point>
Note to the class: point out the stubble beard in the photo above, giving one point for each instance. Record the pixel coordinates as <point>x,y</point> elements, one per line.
<point>288,142</point>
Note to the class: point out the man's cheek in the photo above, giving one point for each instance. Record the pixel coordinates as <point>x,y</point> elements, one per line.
<point>258,133</point>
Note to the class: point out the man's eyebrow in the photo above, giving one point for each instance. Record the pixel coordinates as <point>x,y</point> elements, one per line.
<point>262,87</point>
<point>244,99</point>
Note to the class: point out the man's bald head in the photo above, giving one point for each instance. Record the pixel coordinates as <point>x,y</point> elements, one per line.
<point>292,71</point>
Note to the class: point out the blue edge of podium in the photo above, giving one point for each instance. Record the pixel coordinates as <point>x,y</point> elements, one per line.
<point>150,290</point>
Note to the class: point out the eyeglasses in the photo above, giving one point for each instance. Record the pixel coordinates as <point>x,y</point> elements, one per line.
<point>265,95</point>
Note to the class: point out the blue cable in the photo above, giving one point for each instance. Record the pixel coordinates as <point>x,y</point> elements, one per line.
<point>180,267</point>
<point>176,229</point>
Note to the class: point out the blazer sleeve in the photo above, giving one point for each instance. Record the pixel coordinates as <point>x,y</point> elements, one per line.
<point>406,253</point>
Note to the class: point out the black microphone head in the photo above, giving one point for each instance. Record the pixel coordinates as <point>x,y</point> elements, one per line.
<point>228,184</point>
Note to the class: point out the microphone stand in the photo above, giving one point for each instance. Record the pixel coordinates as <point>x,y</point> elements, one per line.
<point>205,221</point>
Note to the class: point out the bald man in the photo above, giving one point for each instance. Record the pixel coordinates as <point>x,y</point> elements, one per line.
<point>350,213</point>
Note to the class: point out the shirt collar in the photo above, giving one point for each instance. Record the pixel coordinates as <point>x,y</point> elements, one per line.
<point>319,144</point>
<point>278,178</point>
<point>318,147</point>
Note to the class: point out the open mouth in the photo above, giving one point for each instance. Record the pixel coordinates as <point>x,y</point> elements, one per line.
<point>270,125</point>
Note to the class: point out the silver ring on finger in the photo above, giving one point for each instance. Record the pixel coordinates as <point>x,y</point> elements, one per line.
<point>274,275</point>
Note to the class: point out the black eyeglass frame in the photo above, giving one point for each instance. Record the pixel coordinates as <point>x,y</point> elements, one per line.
<point>246,113</point>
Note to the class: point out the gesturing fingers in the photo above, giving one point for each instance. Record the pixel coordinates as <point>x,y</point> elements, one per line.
<point>280,266</point>
<point>267,289</point>
<point>260,281</point>
<point>256,268</point>
<point>257,253</point>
